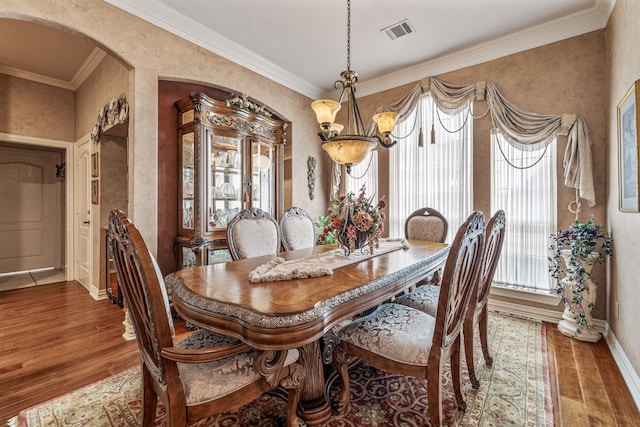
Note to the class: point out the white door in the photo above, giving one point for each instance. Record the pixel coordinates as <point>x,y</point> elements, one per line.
<point>30,209</point>
<point>83,214</point>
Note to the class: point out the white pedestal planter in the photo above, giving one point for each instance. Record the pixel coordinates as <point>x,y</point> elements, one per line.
<point>568,325</point>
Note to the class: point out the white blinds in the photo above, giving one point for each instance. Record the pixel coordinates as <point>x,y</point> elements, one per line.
<point>436,175</point>
<point>528,196</point>
<point>365,173</point>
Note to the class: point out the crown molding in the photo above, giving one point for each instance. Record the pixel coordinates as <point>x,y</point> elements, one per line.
<point>39,78</point>
<point>168,19</point>
<point>80,76</point>
<point>569,26</point>
<point>578,23</point>
<point>89,65</point>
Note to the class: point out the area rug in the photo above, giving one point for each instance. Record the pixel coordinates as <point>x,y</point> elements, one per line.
<point>515,391</point>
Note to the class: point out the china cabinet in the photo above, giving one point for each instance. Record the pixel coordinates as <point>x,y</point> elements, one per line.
<point>229,159</point>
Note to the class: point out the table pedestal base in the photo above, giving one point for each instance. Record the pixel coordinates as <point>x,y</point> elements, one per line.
<point>314,407</point>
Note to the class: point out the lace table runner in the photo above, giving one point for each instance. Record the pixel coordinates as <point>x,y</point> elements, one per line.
<point>319,264</point>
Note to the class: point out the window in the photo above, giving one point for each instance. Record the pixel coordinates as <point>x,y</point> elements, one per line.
<point>524,185</point>
<point>365,173</point>
<point>435,175</point>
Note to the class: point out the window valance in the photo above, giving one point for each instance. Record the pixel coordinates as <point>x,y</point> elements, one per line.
<point>523,129</point>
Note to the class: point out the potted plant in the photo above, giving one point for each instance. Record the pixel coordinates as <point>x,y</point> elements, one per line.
<point>580,247</point>
<point>355,222</point>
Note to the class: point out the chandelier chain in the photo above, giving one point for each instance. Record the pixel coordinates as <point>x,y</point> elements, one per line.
<point>348,34</point>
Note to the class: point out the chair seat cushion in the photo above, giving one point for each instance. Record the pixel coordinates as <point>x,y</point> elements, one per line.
<point>204,382</point>
<point>395,331</point>
<point>424,298</point>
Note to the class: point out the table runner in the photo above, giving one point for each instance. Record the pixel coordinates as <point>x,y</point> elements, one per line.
<point>319,264</point>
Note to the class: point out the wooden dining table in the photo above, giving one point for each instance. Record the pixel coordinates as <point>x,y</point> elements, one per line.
<point>299,313</point>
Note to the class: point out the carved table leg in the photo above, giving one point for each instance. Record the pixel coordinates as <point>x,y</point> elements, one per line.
<point>314,405</point>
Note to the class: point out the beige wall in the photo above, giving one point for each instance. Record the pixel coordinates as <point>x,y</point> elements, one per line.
<point>178,60</point>
<point>36,110</point>
<point>567,76</point>
<point>563,77</point>
<point>623,68</point>
<point>109,80</point>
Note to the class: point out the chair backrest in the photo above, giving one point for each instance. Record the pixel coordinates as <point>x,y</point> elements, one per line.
<point>145,297</point>
<point>298,231</point>
<point>251,233</point>
<point>426,224</point>
<point>459,279</point>
<point>492,249</point>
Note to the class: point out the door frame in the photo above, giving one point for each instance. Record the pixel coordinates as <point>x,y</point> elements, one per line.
<point>69,159</point>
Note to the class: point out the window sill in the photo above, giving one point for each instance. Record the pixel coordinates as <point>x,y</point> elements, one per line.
<point>545,298</point>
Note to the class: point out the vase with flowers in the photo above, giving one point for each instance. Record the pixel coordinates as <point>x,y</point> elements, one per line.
<point>580,247</point>
<point>355,221</point>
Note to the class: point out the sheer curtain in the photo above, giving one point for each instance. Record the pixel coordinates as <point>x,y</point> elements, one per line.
<point>365,173</point>
<point>528,196</point>
<point>435,175</point>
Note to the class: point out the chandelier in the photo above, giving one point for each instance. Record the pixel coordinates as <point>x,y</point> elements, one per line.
<point>351,148</point>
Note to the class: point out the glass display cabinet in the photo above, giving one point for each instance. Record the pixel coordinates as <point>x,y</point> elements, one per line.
<point>229,159</point>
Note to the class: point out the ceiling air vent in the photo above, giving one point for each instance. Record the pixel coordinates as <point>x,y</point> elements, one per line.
<point>400,29</point>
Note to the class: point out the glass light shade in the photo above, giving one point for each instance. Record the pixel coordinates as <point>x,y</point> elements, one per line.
<point>348,151</point>
<point>325,110</point>
<point>261,162</point>
<point>336,127</point>
<point>386,121</point>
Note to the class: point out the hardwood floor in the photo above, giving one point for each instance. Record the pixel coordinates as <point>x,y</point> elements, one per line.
<point>56,338</point>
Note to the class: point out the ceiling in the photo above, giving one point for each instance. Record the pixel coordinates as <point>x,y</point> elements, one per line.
<point>302,44</point>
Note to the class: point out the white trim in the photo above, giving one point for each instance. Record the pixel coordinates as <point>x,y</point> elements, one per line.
<point>180,25</point>
<point>39,78</point>
<point>572,25</point>
<point>522,294</point>
<point>69,159</point>
<point>85,70</point>
<point>630,376</point>
<point>97,294</point>
<point>624,364</point>
<point>539,314</point>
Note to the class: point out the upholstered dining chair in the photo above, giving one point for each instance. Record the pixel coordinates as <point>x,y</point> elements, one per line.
<point>251,233</point>
<point>430,225</point>
<point>204,373</point>
<point>400,339</point>
<point>298,231</point>
<point>426,297</point>
<point>426,224</point>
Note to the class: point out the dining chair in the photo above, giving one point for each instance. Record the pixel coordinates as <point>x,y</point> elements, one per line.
<point>429,225</point>
<point>425,298</point>
<point>399,339</point>
<point>202,374</point>
<point>298,230</point>
<point>252,233</point>
<point>426,224</point>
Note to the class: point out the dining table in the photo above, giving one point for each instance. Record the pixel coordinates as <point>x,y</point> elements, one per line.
<point>301,309</point>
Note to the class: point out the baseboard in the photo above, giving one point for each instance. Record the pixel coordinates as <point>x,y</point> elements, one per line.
<point>629,375</point>
<point>622,361</point>
<point>97,294</point>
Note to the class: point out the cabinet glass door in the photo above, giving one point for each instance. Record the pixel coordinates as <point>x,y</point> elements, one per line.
<point>224,183</point>
<point>263,176</point>
<point>188,181</point>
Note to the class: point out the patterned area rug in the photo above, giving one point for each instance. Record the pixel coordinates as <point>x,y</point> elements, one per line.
<point>515,391</point>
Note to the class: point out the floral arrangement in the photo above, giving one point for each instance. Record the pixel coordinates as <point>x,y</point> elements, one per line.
<point>587,244</point>
<point>354,221</point>
<point>242,102</point>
